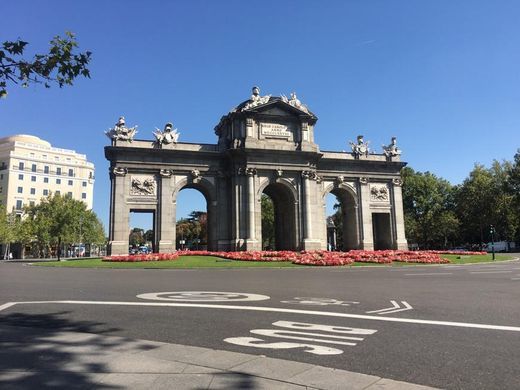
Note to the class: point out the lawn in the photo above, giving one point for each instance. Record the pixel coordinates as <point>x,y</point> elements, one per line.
<point>181,262</point>
<point>217,262</point>
<point>461,259</point>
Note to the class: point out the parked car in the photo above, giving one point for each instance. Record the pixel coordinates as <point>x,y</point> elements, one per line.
<point>501,246</point>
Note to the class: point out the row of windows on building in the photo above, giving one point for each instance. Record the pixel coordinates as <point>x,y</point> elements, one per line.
<point>46,192</point>
<point>46,169</point>
<point>46,180</point>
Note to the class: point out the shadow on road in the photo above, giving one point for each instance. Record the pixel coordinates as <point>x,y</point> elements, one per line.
<point>40,351</point>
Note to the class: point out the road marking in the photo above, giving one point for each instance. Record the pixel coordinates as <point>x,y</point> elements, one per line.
<point>202,296</point>
<point>319,302</point>
<point>392,309</point>
<point>283,310</point>
<point>429,274</point>
<point>6,305</point>
<point>325,338</point>
<point>491,272</point>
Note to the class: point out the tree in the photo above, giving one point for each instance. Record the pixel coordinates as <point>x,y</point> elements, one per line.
<point>193,228</point>
<point>429,207</point>
<point>61,65</point>
<point>136,237</point>
<point>268,233</point>
<point>486,198</point>
<point>59,220</point>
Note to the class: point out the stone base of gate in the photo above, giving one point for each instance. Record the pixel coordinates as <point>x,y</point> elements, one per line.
<point>117,248</point>
<point>253,245</point>
<point>312,245</point>
<point>166,246</point>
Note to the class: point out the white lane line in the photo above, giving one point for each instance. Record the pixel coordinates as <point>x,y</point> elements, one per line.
<point>429,274</point>
<point>290,311</point>
<point>6,305</point>
<point>491,272</point>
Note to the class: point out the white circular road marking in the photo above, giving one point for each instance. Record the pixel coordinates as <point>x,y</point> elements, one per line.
<point>202,296</point>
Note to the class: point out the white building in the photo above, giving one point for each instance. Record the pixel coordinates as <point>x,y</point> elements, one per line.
<point>30,168</point>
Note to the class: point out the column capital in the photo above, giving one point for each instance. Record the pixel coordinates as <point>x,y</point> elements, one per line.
<point>165,172</point>
<point>119,171</point>
<point>247,171</point>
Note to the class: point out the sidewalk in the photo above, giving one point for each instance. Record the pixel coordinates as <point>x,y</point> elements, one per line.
<point>32,358</point>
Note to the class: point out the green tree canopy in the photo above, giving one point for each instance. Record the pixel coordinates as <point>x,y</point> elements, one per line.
<point>429,204</point>
<point>58,220</point>
<point>61,65</point>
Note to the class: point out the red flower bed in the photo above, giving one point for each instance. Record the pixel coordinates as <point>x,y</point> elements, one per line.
<point>322,258</point>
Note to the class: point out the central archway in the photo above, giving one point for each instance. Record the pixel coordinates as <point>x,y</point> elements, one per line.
<point>283,202</point>
<point>345,221</point>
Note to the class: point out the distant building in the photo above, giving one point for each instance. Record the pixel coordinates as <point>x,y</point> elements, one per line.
<point>30,168</point>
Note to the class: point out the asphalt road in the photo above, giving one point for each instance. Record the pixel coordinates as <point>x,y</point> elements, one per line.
<point>455,327</point>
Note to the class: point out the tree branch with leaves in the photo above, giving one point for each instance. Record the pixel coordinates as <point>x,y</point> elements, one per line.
<point>61,65</point>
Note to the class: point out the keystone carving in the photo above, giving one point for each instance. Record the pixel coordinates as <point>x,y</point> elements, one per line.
<point>195,175</point>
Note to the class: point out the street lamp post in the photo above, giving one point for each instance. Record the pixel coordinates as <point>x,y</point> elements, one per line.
<point>492,232</point>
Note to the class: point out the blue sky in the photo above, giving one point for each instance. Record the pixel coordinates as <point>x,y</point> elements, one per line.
<point>443,76</point>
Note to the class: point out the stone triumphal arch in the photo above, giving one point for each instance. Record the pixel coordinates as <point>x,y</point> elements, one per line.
<point>265,146</point>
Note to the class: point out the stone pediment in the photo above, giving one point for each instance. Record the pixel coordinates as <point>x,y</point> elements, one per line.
<point>277,107</point>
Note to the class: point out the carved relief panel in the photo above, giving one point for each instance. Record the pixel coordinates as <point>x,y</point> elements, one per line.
<point>143,185</point>
<point>379,193</point>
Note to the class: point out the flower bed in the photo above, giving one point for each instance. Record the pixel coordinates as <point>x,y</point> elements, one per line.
<point>320,258</point>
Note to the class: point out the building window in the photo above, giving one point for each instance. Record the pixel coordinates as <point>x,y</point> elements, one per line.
<point>70,182</point>
<point>19,204</point>
<point>45,179</point>
<point>58,171</point>
<point>32,154</point>
<point>20,190</point>
<point>58,181</point>
<point>83,195</point>
<point>45,156</point>
<point>46,169</point>
<point>45,192</point>
<point>20,177</point>
<point>31,203</point>
<point>84,184</point>
<point>71,172</point>
<point>21,166</point>
<point>1,176</point>
<point>33,191</point>
<point>58,192</point>
<point>69,194</point>
<point>33,168</point>
<point>33,178</point>
<point>56,158</point>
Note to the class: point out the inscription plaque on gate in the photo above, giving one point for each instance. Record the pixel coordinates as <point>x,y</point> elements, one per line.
<point>276,130</point>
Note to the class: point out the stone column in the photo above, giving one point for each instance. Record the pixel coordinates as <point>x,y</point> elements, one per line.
<point>307,234</point>
<point>397,203</point>
<point>118,244</point>
<point>166,213</point>
<point>251,222</point>
<point>367,242</point>
<point>310,241</point>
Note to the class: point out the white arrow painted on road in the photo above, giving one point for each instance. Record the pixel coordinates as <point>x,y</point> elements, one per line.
<point>394,309</point>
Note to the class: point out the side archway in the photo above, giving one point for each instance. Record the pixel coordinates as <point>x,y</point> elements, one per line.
<point>206,188</point>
